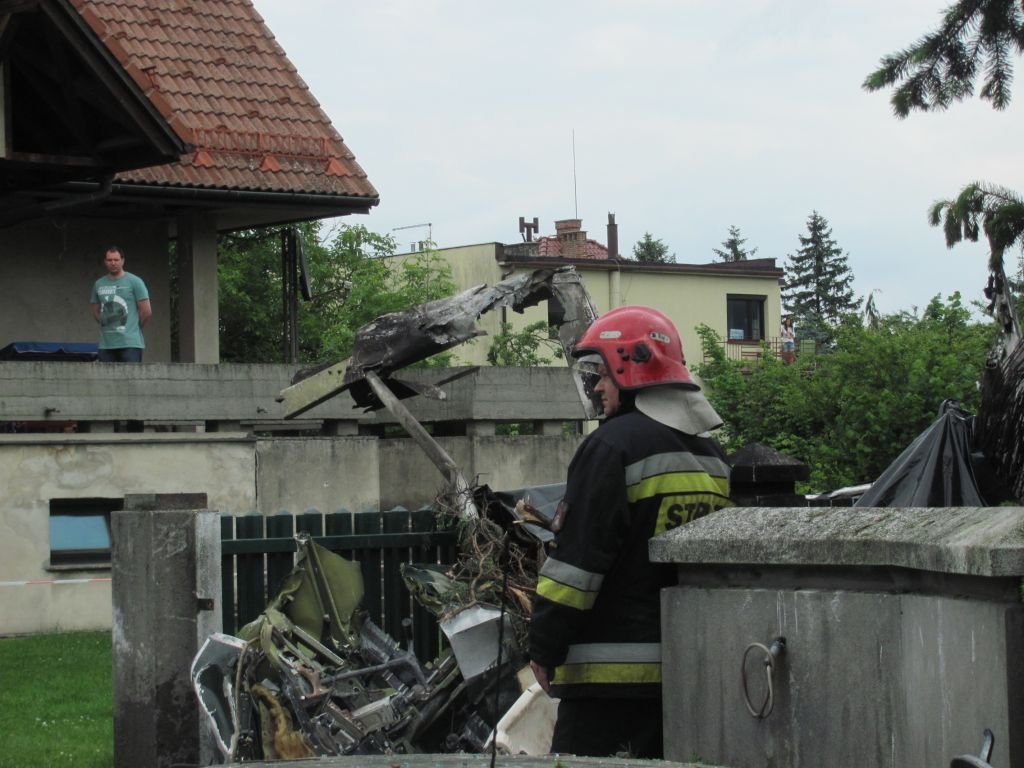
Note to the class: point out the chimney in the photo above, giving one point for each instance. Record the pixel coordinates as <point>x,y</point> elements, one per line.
<point>613,237</point>
<point>571,238</point>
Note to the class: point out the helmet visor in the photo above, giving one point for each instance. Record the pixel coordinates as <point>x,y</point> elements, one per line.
<point>586,372</point>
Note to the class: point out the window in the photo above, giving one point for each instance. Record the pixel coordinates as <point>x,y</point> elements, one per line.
<point>745,316</point>
<point>80,531</point>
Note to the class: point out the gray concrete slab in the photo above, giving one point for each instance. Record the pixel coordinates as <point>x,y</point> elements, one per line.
<point>986,541</point>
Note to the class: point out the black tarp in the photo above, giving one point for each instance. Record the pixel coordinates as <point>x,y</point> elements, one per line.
<point>940,468</point>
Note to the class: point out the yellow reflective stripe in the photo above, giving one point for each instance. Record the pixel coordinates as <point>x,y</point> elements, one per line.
<point>677,483</point>
<point>563,594</point>
<point>573,674</point>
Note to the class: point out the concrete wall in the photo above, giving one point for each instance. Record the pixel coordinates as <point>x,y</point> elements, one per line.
<point>49,268</point>
<point>240,474</point>
<point>503,463</point>
<point>37,469</point>
<point>868,678</point>
<point>904,633</point>
<point>327,474</point>
<point>239,471</point>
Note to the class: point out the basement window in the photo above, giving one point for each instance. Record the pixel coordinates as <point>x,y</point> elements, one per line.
<point>80,532</point>
<point>745,316</point>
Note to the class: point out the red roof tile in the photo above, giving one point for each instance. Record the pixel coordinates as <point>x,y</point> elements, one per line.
<point>548,247</point>
<point>221,80</point>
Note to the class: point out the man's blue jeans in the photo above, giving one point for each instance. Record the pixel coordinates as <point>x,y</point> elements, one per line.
<point>122,355</point>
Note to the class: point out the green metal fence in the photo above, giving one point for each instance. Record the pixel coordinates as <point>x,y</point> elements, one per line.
<point>258,552</point>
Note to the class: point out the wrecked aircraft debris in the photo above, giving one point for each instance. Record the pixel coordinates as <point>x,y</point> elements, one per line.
<point>313,675</point>
<point>399,339</point>
<point>999,425</point>
<point>402,338</point>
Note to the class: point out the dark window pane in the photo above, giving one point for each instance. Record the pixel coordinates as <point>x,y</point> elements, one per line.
<point>745,316</point>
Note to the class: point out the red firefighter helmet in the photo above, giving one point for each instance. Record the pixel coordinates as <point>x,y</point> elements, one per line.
<point>640,347</point>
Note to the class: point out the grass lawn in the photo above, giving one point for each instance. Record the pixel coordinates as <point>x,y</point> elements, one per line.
<point>56,701</point>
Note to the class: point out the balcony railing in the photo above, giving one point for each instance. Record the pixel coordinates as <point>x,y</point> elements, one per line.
<point>751,351</point>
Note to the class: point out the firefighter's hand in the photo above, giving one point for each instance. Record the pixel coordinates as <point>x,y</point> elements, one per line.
<point>541,673</point>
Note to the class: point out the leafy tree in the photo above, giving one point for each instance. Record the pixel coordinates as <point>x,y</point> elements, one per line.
<point>980,207</point>
<point>819,289</point>
<point>942,66</point>
<point>352,281</point>
<point>732,248</point>
<point>864,402</point>
<point>651,250</point>
<point>523,348</point>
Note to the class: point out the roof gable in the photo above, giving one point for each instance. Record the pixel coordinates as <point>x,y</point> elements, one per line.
<point>67,108</point>
<point>218,76</point>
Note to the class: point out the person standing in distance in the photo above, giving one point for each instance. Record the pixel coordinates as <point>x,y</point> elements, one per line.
<point>120,304</point>
<point>595,632</point>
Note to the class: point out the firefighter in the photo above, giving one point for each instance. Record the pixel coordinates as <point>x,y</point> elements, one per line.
<point>650,466</point>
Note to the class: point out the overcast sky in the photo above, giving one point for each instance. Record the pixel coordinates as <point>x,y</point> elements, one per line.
<point>689,116</point>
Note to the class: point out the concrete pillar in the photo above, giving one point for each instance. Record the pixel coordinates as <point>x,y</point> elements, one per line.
<point>340,428</point>
<point>902,626</point>
<point>166,592</point>
<point>615,289</point>
<point>549,428</point>
<point>480,428</point>
<point>198,316</point>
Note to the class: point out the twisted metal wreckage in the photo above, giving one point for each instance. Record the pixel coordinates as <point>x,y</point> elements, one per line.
<point>312,675</point>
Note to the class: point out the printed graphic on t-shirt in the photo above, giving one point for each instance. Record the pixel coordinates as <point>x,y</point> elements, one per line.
<point>113,309</point>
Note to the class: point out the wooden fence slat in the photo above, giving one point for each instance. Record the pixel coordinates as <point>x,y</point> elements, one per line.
<point>426,632</point>
<point>370,564</point>
<point>252,591</point>
<point>279,564</point>
<point>311,522</point>
<point>397,603</point>
<point>228,606</point>
<point>339,524</point>
<point>258,553</point>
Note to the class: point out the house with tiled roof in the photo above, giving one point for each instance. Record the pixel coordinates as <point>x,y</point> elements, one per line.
<point>156,125</point>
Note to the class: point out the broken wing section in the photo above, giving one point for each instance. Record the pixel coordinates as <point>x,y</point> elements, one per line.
<point>399,339</point>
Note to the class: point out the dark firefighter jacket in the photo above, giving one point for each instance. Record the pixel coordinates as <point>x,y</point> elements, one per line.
<point>596,619</point>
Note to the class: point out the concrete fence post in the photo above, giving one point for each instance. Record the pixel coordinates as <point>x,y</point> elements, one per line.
<point>166,586</point>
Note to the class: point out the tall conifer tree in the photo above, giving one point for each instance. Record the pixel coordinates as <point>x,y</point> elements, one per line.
<point>732,248</point>
<point>819,279</point>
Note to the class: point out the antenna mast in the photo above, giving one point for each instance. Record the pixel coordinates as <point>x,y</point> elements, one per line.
<point>420,244</point>
<point>575,197</point>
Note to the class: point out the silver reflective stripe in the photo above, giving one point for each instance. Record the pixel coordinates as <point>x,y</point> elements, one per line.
<point>680,461</point>
<point>595,653</point>
<point>571,576</point>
